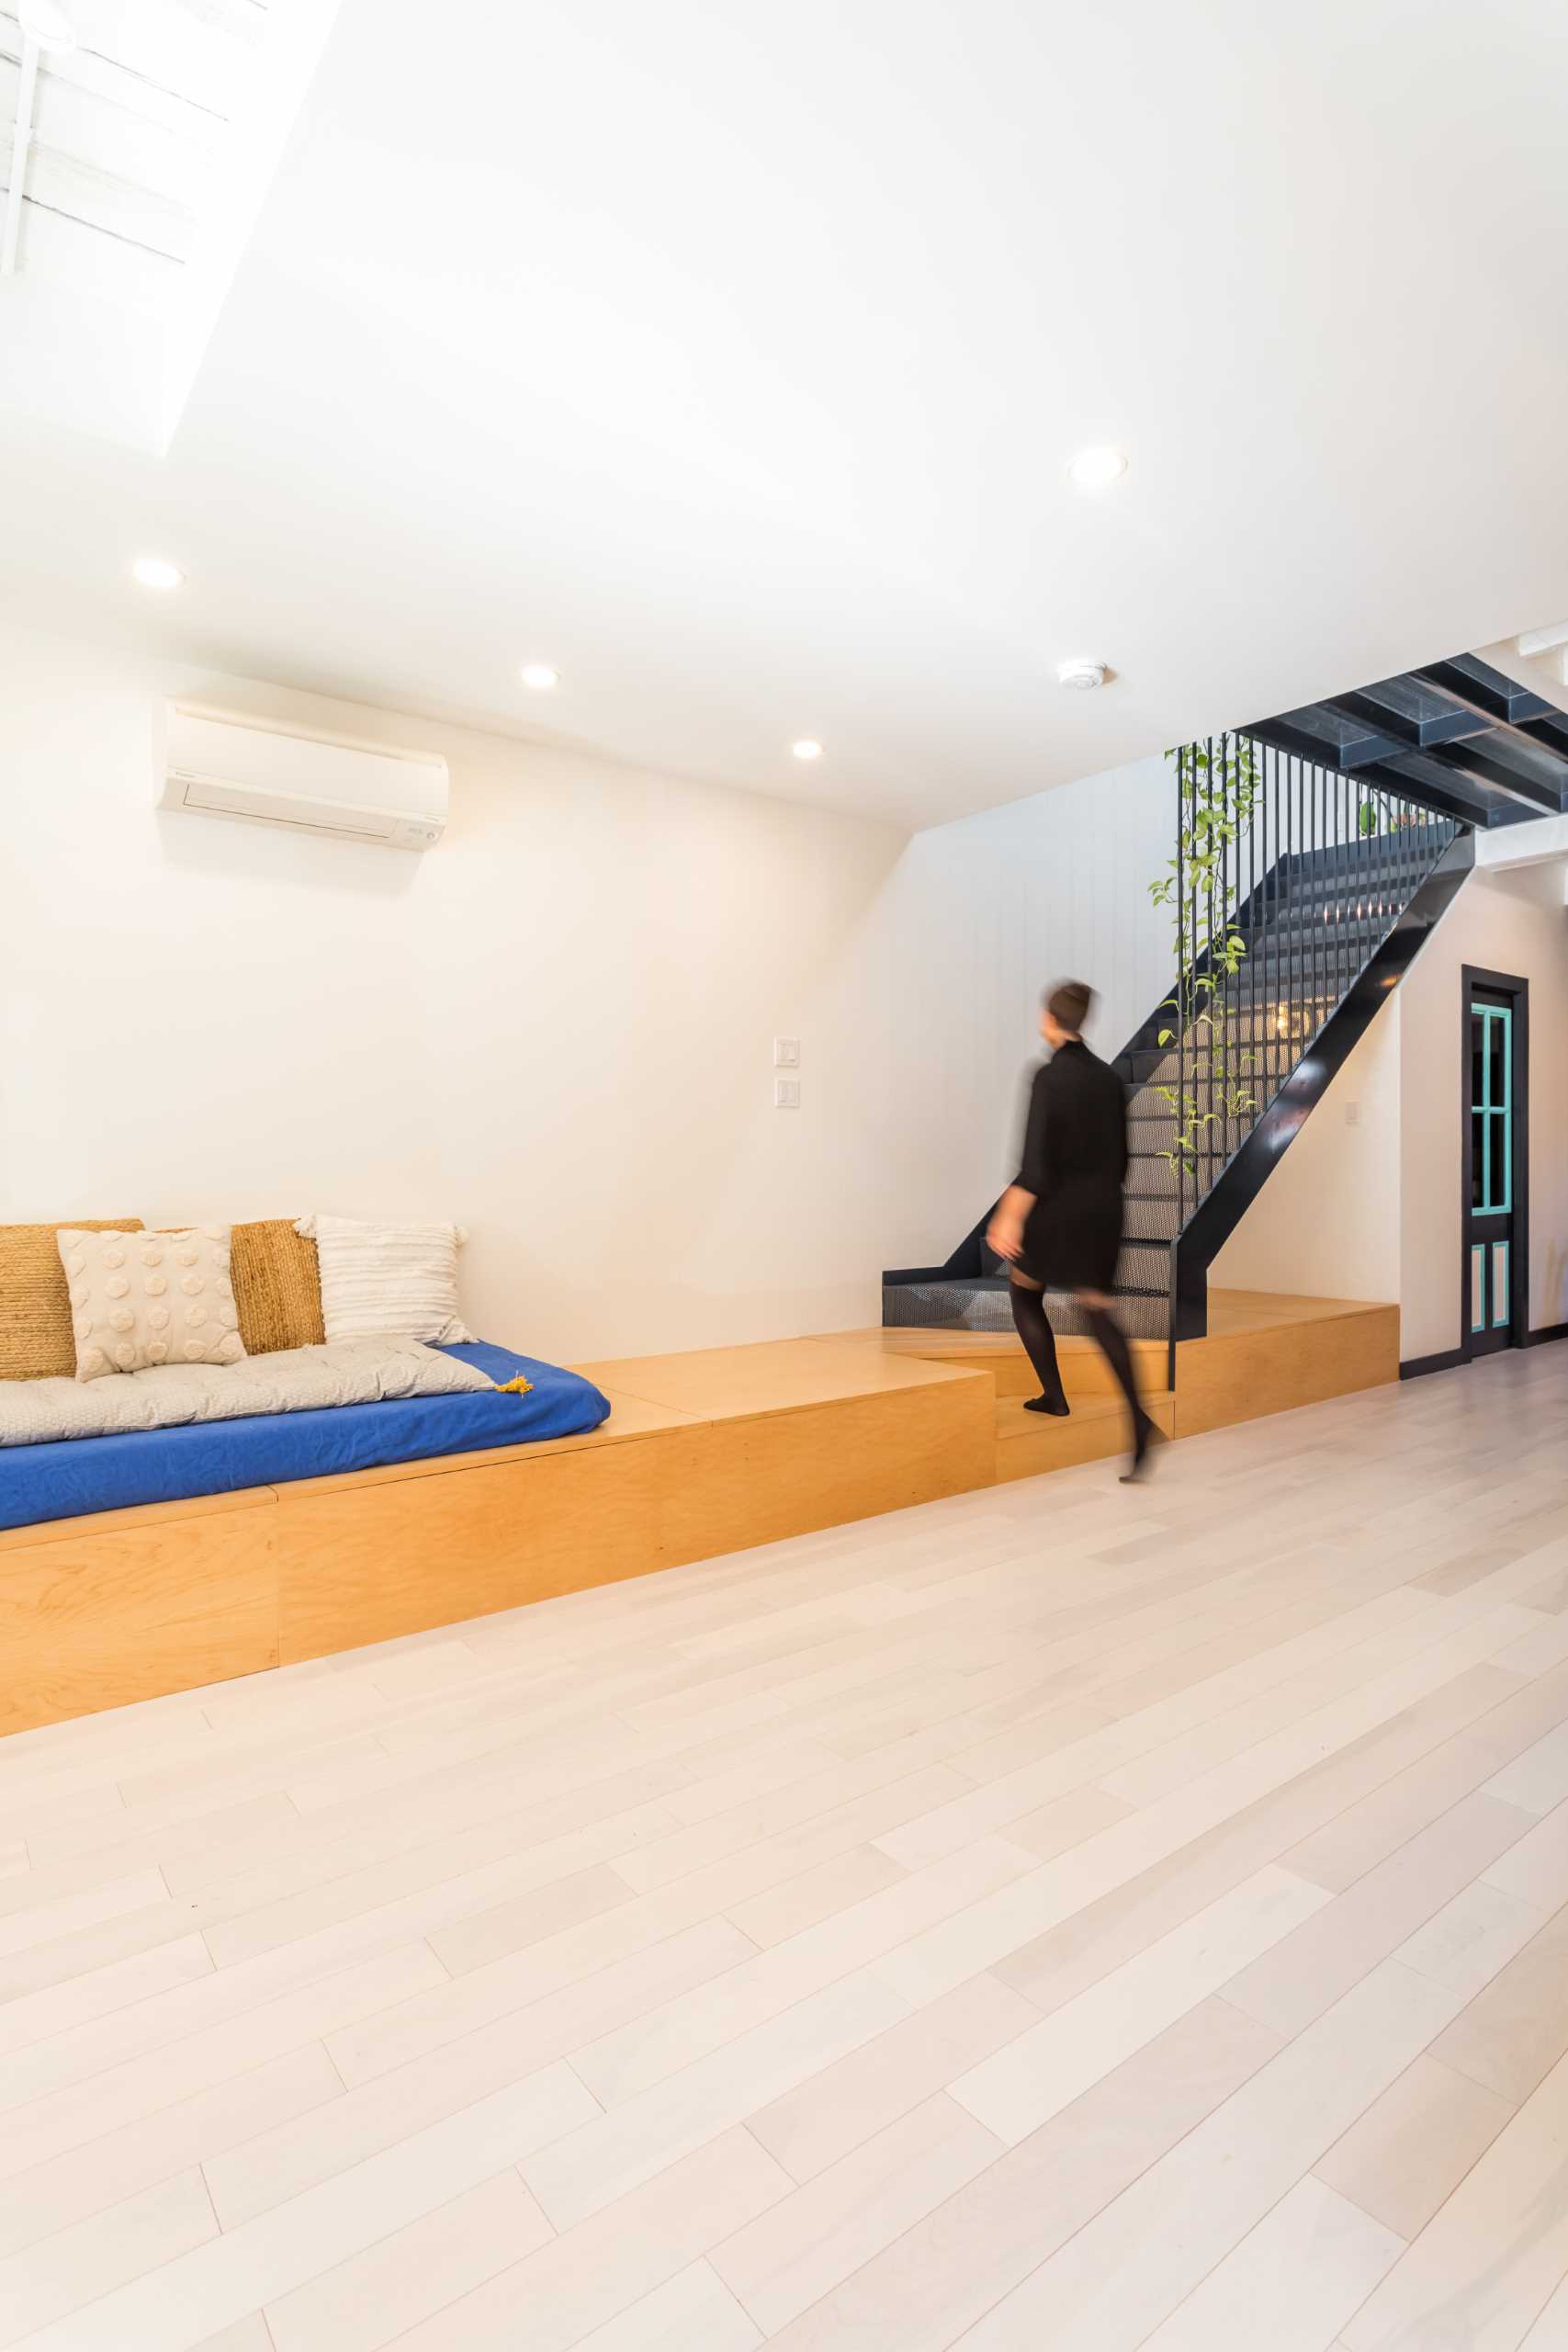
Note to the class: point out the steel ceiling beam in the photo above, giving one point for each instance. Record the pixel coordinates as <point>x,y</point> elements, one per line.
<point>1542,800</point>
<point>1368,709</point>
<point>1466,808</point>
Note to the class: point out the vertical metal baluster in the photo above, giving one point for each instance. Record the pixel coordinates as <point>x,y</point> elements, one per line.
<point>1179,1023</point>
<point>1314,933</point>
<point>1319,783</point>
<point>1191,965</point>
<point>1309,940</point>
<point>1222,916</point>
<point>1270,904</point>
<point>1216,920</point>
<point>1271,943</point>
<point>1254,842</point>
<point>1347,890</point>
<point>1409,844</point>
<point>1190,1158</point>
<point>1358,874</point>
<point>1232,876</point>
<point>1302,942</point>
<point>1337,853</point>
<point>1284,943</point>
<point>1344,892</point>
<point>1320,854</point>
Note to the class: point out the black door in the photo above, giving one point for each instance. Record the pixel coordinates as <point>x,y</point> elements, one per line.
<point>1495,1230</point>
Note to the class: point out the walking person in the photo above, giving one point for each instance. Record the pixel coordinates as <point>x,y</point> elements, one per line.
<point>1058,1225</point>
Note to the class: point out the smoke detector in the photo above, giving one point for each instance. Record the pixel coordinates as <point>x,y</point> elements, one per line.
<point>43,21</point>
<point>1082,675</point>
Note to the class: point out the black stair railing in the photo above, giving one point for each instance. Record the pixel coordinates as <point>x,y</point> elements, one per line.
<point>1297,895</point>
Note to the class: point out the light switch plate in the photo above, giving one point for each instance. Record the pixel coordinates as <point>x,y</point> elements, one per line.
<point>786,1093</point>
<point>786,1052</point>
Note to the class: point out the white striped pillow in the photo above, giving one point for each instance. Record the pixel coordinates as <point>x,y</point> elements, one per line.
<point>385,1278</point>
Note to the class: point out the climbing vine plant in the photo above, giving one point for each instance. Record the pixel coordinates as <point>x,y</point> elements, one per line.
<point>1216,793</point>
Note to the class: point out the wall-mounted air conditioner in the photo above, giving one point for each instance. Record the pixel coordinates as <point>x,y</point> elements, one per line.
<point>217,764</point>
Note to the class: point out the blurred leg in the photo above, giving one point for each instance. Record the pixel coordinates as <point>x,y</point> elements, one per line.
<point>1111,1342</point>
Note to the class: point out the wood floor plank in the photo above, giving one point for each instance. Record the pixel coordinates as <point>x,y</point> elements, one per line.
<point>948,2270</point>
<point>1490,2257</point>
<point>1413,2146</point>
<point>601,2271</point>
<point>265,2259</point>
<point>1015,1921</point>
<point>1308,2264</point>
<point>1143,2254</point>
<point>803,2247</point>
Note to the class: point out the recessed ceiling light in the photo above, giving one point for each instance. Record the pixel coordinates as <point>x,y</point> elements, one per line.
<point>808,748</point>
<point>1093,469</point>
<point>539,677</point>
<point>156,571</point>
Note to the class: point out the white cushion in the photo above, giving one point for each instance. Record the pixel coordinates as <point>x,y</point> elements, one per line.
<point>287,1380</point>
<point>142,1299</point>
<point>387,1278</point>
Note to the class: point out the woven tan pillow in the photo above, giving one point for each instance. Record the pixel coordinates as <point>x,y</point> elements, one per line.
<point>278,1286</point>
<point>142,1299</point>
<point>36,1341</point>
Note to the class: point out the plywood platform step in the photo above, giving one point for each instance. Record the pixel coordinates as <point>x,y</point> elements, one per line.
<point>1028,1444</point>
<point>705,1453</point>
<point>1085,1371</point>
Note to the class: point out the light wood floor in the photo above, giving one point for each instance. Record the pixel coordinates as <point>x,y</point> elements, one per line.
<point>1061,1918</point>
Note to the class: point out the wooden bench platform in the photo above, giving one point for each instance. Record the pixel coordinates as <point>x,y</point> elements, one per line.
<point>704,1453</point>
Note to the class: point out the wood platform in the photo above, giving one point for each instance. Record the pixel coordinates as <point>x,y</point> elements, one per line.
<point>705,1453</point>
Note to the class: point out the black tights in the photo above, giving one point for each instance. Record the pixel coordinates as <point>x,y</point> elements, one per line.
<point>1039,1340</point>
<point>1040,1346</point>
<point>1111,1342</point>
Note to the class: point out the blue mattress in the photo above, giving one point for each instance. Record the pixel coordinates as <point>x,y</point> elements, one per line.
<point>62,1481</point>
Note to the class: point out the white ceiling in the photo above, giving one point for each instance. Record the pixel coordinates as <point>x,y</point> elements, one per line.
<point>153,136</point>
<point>729,359</point>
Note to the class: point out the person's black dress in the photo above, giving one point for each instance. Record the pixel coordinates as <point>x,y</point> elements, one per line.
<point>1074,1161</point>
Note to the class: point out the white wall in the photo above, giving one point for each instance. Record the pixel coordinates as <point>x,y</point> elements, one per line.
<point>1328,1223</point>
<point>1505,923</point>
<point>979,917</point>
<point>556,1028</point>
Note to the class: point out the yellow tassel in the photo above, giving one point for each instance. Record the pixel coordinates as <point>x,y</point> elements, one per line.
<point>518,1387</point>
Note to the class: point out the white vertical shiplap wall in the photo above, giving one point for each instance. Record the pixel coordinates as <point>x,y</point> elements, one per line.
<point>977,918</point>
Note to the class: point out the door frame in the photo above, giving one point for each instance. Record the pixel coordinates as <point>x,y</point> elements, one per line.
<point>1473,977</point>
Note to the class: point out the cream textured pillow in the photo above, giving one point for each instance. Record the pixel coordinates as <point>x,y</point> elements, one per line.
<point>140,1299</point>
<point>381,1279</point>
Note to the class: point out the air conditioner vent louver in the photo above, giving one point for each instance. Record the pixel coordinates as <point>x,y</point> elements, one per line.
<point>216,765</point>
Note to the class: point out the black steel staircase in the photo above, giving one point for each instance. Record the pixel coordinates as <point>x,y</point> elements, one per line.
<point>1313,853</point>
